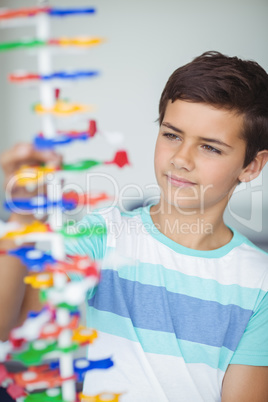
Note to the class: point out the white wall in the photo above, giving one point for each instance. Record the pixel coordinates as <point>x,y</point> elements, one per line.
<point>146,41</point>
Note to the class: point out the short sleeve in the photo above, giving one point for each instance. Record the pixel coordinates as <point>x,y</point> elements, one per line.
<point>93,245</point>
<point>253,346</point>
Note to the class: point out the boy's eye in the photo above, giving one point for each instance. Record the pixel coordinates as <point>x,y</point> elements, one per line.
<point>211,149</point>
<point>171,136</point>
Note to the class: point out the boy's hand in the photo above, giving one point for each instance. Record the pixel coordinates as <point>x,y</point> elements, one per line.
<point>24,154</point>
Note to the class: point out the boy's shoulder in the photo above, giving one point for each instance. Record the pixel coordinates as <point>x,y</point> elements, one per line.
<point>249,249</point>
<point>115,214</point>
<point>116,218</point>
<point>248,263</point>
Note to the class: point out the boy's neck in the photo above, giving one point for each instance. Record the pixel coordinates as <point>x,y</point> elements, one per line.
<point>199,231</point>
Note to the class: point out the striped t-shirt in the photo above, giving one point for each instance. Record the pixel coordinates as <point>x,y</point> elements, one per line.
<point>172,318</point>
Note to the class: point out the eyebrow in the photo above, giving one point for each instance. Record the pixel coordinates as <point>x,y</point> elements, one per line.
<point>173,128</point>
<point>214,141</point>
<point>211,140</point>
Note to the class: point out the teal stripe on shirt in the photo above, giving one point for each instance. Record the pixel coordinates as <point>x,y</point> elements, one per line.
<point>158,342</point>
<point>194,286</point>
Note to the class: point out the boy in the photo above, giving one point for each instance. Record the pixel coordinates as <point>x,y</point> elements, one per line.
<point>185,312</point>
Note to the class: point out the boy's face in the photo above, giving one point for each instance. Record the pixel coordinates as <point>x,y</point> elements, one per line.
<point>199,156</point>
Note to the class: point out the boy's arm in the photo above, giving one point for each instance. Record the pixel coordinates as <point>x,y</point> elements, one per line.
<point>245,383</point>
<point>16,299</point>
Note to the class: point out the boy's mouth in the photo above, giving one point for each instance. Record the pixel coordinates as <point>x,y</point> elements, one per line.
<point>179,181</point>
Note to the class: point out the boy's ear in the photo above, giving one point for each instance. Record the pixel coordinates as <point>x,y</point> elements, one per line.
<point>254,168</point>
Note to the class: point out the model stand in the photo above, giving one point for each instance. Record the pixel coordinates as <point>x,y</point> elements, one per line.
<point>53,333</point>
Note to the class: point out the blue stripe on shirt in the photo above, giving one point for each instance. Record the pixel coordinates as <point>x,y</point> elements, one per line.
<point>190,318</point>
<point>178,282</point>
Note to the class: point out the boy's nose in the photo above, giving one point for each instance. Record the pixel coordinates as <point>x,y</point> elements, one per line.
<point>183,158</point>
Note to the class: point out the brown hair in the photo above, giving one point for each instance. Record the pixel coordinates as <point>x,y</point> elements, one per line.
<point>229,83</point>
